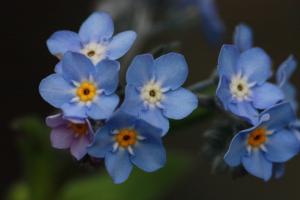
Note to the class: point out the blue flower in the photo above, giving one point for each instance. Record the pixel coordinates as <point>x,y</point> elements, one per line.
<point>95,40</point>
<point>243,37</point>
<point>83,90</point>
<point>283,75</point>
<point>154,91</point>
<point>267,143</point>
<point>126,141</point>
<point>243,89</point>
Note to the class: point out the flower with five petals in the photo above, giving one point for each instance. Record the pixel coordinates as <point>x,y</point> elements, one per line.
<point>125,141</point>
<point>266,144</point>
<point>83,90</point>
<point>95,40</point>
<point>68,133</point>
<point>154,92</point>
<point>243,89</point>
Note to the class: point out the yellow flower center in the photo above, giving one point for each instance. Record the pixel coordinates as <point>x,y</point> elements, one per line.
<point>126,137</point>
<point>79,129</point>
<point>257,137</point>
<point>86,91</point>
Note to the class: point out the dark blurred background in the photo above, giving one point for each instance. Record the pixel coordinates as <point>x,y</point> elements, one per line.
<point>26,27</point>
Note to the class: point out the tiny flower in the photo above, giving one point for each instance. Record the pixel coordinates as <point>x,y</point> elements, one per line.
<point>243,37</point>
<point>267,143</point>
<point>154,91</point>
<point>283,75</point>
<point>83,90</point>
<point>126,141</point>
<point>65,134</point>
<point>243,89</point>
<point>95,40</point>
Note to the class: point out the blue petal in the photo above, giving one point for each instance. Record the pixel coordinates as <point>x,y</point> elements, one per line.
<point>279,116</point>
<point>227,61</point>
<point>179,103</point>
<point>74,110</point>
<point>154,117</point>
<point>102,143</point>
<point>147,130</point>
<point>107,76</point>
<point>223,92</point>
<point>77,67</point>
<point>121,120</point>
<point>245,110</point>
<point>120,44</point>
<point>266,95</point>
<point>140,71</point>
<point>55,90</point>
<point>149,155</point>
<point>98,27</point>
<point>255,64</point>
<point>237,149</point>
<point>283,75</point>
<point>58,68</point>
<point>290,93</point>
<point>171,70</point>
<point>282,146</point>
<point>285,70</point>
<point>132,103</point>
<point>103,107</point>
<point>63,41</point>
<point>257,165</point>
<point>296,124</point>
<point>243,37</point>
<point>118,165</point>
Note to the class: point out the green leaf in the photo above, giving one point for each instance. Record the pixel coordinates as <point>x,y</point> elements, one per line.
<point>37,156</point>
<point>139,186</point>
<point>18,191</point>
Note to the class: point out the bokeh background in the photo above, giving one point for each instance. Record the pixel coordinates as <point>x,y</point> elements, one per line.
<point>26,27</point>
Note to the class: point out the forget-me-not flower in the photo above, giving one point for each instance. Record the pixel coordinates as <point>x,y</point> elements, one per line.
<point>95,40</point>
<point>243,89</point>
<point>126,141</point>
<point>154,91</point>
<point>83,90</point>
<point>73,134</point>
<point>267,143</point>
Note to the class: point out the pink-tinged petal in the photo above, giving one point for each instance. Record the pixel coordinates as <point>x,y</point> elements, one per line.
<point>79,147</point>
<point>61,137</point>
<point>55,120</point>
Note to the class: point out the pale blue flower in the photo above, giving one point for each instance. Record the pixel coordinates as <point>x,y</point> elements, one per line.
<point>95,40</point>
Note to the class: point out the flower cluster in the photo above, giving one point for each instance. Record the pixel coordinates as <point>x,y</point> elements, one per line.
<point>93,118</point>
<point>244,91</point>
